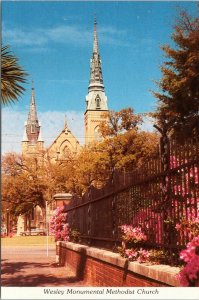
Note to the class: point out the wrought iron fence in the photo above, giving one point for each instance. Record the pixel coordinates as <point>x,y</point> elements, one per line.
<point>154,196</point>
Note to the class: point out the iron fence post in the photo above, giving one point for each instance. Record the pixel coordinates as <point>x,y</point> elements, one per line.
<point>89,218</point>
<point>114,229</point>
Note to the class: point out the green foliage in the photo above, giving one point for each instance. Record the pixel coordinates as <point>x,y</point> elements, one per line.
<point>74,236</point>
<point>166,257</point>
<point>178,101</point>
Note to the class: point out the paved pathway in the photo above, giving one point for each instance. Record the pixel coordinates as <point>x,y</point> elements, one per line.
<point>30,266</point>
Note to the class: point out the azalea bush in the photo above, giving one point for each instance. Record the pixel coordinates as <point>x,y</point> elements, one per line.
<point>59,226</point>
<point>134,248</point>
<point>189,275</point>
<point>133,238</point>
<point>132,234</point>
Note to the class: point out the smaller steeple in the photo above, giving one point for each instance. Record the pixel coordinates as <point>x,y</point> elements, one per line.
<point>32,127</point>
<point>32,143</point>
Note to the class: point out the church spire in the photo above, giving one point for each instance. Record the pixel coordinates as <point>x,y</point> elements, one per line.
<point>65,122</point>
<point>96,100</point>
<point>95,42</point>
<point>32,127</point>
<point>96,79</point>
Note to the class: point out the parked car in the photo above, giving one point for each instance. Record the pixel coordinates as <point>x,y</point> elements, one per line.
<point>36,231</point>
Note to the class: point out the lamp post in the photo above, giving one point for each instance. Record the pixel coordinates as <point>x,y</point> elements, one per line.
<point>7,222</point>
<point>47,233</point>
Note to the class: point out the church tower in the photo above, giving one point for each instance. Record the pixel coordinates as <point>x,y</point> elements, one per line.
<point>32,142</point>
<point>96,100</point>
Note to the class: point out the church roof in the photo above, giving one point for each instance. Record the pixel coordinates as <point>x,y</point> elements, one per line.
<point>64,141</point>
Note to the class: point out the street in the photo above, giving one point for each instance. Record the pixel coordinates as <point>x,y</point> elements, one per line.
<point>29,266</point>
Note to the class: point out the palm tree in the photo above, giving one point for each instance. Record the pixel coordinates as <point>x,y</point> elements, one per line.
<point>12,75</point>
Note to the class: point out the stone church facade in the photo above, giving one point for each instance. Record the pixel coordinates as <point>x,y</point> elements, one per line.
<point>95,112</point>
<point>65,142</point>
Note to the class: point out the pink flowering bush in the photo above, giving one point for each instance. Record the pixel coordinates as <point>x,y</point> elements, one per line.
<point>132,234</point>
<point>132,237</point>
<point>189,275</point>
<point>143,255</point>
<point>59,226</point>
<point>132,254</point>
<point>139,255</point>
<point>133,243</point>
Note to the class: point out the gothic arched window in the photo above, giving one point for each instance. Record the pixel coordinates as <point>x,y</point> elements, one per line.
<point>97,100</point>
<point>32,129</point>
<point>97,135</point>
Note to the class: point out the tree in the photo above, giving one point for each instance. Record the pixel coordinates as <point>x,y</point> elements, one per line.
<point>119,122</point>
<point>123,148</point>
<point>178,101</point>
<point>125,145</point>
<point>12,75</point>
<point>23,186</point>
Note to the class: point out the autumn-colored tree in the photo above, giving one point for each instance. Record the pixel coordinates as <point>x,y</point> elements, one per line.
<point>29,181</point>
<point>79,171</point>
<point>123,148</point>
<point>22,184</point>
<point>119,122</point>
<point>178,101</point>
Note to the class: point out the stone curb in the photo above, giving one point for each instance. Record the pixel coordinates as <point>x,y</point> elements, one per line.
<point>163,273</point>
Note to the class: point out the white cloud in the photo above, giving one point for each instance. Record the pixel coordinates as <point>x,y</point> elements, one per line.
<point>67,34</point>
<point>21,37</point>
<point>147,124</point>
<point>52,123</point>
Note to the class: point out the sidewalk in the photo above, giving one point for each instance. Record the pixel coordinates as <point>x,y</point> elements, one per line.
<point>31,267</point>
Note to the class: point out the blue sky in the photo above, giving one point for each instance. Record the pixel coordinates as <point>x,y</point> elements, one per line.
<point>53,41</point>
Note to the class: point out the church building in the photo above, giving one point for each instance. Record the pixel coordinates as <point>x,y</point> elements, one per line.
<point>66,142</point>
<point>96,108</point>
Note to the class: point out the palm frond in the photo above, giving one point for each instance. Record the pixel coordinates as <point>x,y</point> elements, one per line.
<point>12,75</point>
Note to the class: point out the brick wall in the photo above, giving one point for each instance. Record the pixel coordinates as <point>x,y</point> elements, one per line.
<point>103,268</point>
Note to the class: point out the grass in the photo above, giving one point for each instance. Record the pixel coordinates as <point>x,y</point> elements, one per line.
<point>27,241</point>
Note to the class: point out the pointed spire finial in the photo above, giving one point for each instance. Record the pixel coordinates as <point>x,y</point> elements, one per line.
<point>95,43</point>
<point>65,122</point>
<point>95,19</point>
<point>33,94</point>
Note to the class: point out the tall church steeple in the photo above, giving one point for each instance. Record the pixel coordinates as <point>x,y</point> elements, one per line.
<point>96,79</point>
<point>96,100</point>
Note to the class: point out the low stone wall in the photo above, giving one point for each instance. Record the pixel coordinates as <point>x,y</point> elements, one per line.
<point>100,267</point>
